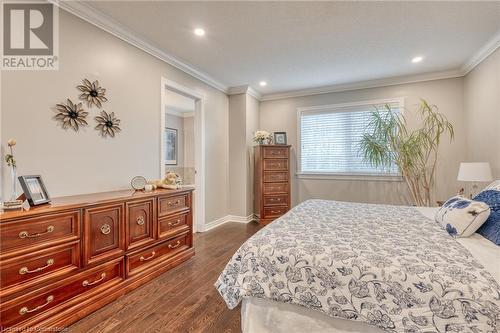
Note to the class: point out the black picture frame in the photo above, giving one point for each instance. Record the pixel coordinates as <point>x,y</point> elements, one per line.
<point>34,189</point>
<point>280,138</point>
<point>171,145</point>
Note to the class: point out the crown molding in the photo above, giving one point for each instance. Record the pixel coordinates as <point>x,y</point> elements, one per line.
<point>244,89</point>
<point>391,81</point>
<point>483,53</point>
<point>179,112</point>
<point>88,13</point>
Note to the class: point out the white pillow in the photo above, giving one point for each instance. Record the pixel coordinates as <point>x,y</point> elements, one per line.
<point>461,217</point>
<point>493,186</point>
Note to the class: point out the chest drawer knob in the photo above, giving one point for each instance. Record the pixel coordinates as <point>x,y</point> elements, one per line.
<point>105,229</point>
<point>86,283</point>
<point>25,234</point>
<point>172,203</point>
<point>148,258</point>
<point>25,270</point>
<point>173,224</point>
<point>173,246</point>
<point>140,220</point>
<point>24,310</point>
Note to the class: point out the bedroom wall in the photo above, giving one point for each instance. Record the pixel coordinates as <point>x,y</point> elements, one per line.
<point>482,112</point>
<point>75,163</point>
<point>281,115</point>
<point>238,190</point>
<point>252,125</point>
<point>243,122</point>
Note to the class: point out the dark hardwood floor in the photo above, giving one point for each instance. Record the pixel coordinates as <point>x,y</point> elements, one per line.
<point>182,299</point>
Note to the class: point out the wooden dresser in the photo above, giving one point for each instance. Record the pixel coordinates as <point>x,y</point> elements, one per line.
<point>272,181</point>
<point>62,261</point>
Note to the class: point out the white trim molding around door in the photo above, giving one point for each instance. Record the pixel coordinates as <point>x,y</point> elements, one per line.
<point>199,142</point>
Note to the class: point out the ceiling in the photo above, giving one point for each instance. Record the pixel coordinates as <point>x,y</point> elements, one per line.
<point>178,103</point>
<point>301,45</point>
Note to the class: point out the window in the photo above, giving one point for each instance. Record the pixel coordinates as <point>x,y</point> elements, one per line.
<point>330,136</point>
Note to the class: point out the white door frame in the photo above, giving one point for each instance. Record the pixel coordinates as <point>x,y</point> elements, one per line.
<point>199,142</point>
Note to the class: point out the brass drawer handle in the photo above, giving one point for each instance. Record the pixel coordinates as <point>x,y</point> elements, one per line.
<point>86,283</point>
<point>170,246</point>
<point>173,224</point>
<point>275,211</point>
<point>105,229</point>
<point>148,258</point>
<point>275,199</point>
<point>25,270</point>
<point>25,234</point>
<point>24,310</point>
<point>140,220</point>
<point>170,203</point>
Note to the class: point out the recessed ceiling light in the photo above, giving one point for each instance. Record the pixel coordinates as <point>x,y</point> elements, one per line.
<point>199,32</point>
<point>262,83</point>
<point>417,59</point>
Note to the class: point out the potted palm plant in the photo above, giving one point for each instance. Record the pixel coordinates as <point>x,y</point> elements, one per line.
<point>389,141</point>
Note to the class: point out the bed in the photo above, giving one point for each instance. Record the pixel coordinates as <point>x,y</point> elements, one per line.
<point>330,266</point>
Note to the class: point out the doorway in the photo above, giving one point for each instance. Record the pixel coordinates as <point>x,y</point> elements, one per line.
<point>182,147</point>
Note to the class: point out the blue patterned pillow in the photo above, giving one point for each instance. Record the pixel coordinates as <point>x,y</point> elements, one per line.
<point>461,217</point>
<point>491,228</point>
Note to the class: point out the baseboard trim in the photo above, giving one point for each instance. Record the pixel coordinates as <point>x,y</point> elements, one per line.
<point>229,218</point>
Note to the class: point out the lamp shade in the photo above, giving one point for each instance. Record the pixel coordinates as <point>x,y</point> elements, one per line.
<point>475,172</point>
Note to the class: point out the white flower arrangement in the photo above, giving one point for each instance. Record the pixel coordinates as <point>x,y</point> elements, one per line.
<point>261,136</point>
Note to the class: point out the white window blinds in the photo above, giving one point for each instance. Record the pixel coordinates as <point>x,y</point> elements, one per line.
<point>330,139</point>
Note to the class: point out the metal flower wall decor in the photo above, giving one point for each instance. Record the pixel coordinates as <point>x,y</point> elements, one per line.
<point>71,115</point>
<point>107,124</point>
<point>92,93</point>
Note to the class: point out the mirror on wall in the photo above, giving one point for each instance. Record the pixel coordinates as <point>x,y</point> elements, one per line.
<point>179,136</point>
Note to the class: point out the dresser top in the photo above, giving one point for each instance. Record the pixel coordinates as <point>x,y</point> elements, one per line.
<point>85,200</point>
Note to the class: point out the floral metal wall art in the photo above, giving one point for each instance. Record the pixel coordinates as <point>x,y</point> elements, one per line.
<point>71,115</point>
<point>107,124</point>
<point>92,93</point>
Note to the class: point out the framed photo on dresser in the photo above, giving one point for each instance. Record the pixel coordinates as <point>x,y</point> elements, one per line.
<point>280,138</point>
<point>34,189</point>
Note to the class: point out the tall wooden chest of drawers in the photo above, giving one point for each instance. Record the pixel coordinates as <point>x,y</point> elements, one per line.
<point>62,261</point>
<point>272,181</point>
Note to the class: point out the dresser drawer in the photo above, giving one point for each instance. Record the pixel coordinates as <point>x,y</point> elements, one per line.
<point>140,223</point>
<point>170,205</point>
<point>276,200</point>
<point>275,176</point>
<point>172,225</point>
<point>38,268</point>
<point>38,232</point>
<point>275,164</point>
<point>275,152</point>
<point>38,302</point>
<point>275,188</point>
<point>143,259</point>
<point>274,211</point>
<point>104,233</point>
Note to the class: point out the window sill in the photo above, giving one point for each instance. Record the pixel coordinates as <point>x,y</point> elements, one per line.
<point>349,177</point>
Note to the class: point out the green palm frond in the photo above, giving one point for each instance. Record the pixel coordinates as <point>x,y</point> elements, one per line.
<point>388,141</point>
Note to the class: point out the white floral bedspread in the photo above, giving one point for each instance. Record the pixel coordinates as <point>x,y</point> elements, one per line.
<point>388,266</point>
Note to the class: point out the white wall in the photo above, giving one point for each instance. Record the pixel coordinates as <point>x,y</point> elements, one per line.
<point>482,112</point>
<point>76,163</point>
<point>252,125</point>
<point>243,122</point>
<point>281,115</point>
